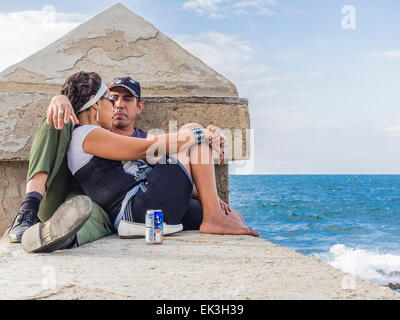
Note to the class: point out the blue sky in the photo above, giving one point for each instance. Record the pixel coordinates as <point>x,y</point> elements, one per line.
<point>322,99</point>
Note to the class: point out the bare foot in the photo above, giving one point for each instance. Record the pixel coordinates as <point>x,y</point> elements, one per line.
<point>225,225</point>
<point>237,216</point>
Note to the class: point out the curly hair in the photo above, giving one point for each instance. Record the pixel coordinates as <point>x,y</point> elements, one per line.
<point>79,87</point>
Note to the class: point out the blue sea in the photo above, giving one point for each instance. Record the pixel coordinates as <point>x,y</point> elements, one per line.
<point>351,222</point>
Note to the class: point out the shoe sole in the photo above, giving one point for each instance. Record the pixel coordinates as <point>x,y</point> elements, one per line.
<point>65,222</point>
<point>14,240</point>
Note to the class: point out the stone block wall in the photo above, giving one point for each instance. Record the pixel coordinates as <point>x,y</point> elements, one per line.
<point>12,190</point>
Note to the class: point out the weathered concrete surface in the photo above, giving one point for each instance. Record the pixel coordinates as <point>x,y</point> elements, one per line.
<point>188,265</point>
<point>20,116</point>
<point>118,42</point>
<point>13,183</point>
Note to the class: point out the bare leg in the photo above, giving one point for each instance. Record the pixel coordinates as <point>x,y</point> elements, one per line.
<point>27,213</point>
<point>233,214</point>
<point>214,220</point>
<point>184,158</point>
<point>201,169</point>
<point>37,183</point>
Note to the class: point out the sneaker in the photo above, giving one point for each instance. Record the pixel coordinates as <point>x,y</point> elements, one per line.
<point>131,230</point>
<point>59,232</point>
<point>23,220</point>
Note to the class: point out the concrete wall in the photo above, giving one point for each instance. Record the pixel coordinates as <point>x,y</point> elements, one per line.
<point>12,190</point>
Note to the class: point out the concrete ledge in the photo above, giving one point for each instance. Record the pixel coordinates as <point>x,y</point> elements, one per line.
<point>189,265</point>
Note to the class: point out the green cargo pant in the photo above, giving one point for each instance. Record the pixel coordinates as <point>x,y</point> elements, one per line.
<point>98,226</point>
<point>49,154</point>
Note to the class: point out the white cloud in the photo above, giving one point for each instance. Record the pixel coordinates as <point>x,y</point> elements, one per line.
<point>201,6</point>
<point>25,32</point>
<point>293,134</point>
<point>258,5</point>
<point>237,60</point>
<point>390,126</point>
<point>386,54</point>
<point>392,131</point>
<point>228,54</point>
<point>292,11</point>
<point>266,90</point>
<point>223,8</point>
<point>254,3</point>
<point>269,79</point>
<point>234,58</point>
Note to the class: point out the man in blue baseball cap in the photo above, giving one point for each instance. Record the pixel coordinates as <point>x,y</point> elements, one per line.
<point>128,83</point>
<point>127,106</point>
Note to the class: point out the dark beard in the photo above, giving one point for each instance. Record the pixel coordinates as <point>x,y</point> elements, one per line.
<point>120,124</point>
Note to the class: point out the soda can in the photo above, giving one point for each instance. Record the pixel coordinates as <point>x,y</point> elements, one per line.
<point>154,227</point>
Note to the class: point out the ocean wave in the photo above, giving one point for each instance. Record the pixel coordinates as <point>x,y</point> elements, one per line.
<point>298,216</point>
<point>382,268</point>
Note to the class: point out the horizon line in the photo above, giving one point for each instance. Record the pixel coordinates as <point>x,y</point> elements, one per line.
<point>314,174</point>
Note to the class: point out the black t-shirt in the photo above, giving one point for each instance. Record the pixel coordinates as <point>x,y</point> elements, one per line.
<point>105,181</point>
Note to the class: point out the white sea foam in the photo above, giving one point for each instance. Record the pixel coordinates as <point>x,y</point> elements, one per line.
<point>375,266</point>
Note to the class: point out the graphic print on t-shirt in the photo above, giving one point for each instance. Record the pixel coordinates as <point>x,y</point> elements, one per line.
<point>137,168</point>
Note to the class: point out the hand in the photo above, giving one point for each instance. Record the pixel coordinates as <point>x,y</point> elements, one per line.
<point>217,136</point>
<point>225,207</point>
<point>217,142</point>
<point>58,103</point>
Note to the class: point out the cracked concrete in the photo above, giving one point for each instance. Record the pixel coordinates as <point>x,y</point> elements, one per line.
<point>20,116</point>
<point>23,75</point>
<point>189,265</point>
<point>118,42</point>
<point>12,179</point>
<point>114,44</point>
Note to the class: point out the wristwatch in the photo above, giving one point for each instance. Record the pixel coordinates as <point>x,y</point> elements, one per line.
<point>199,135</point>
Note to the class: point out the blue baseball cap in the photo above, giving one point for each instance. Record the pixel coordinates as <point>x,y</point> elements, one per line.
<point>128,83</point>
